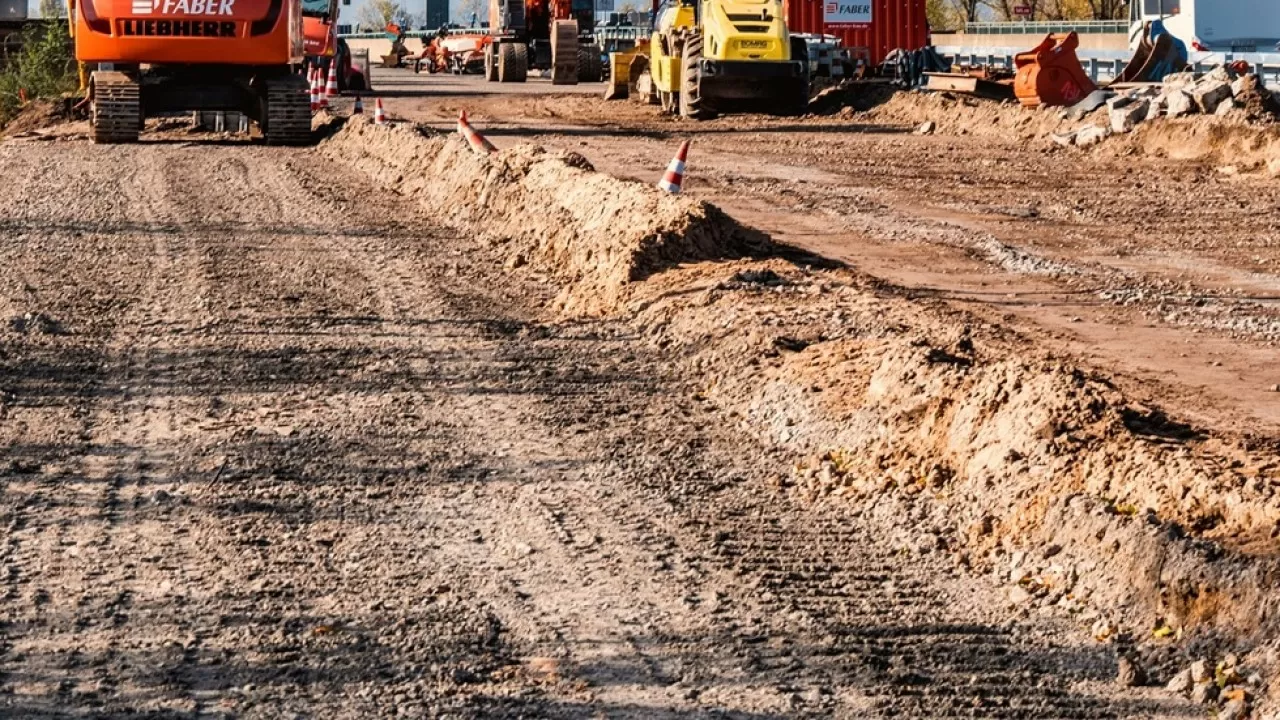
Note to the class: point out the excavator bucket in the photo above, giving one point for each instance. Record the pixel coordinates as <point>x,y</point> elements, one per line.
<point>1051,73</point>
<point>1158,54</point>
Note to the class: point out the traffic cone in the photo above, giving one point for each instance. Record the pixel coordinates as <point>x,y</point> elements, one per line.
<point>474,139</point>
<point>674,177</point>
<point>331,88</point>
<point>359,108</point>
<point>315,94</point>
<point>379,115</point>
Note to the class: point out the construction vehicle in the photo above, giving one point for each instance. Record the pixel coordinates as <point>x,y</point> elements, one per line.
<point>713,56</point>
<point>152,57</point>
<point>555,35</point>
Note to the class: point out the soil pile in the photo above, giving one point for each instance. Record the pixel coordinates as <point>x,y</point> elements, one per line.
<point>36,115</point>
<point>595,233</point>
<point>1152,522</point>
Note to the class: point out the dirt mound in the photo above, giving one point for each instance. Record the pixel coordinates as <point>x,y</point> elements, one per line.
<point>37,115</point>
<point>951,113</point>
<point>595,233</point>
<point>1002,453</point>
<point>1244,146</point>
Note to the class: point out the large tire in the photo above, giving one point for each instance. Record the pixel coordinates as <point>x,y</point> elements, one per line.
<point>513,62</point>
<point>692,104</point>
<point>490,64</point>
<point>590,66</point>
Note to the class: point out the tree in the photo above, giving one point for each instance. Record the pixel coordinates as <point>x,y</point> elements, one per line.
<point>380,13</point>
<point>943,15</point>
<point>1109,9</point>
<point>52,8</point>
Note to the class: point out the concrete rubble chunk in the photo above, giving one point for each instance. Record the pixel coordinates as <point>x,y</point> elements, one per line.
<point>1125,119</point>
<point>1241,85</point>
<point>1091,135</point>
<point>1179,80</point>
<point>1209,94</point>
<point>1225,108</point>
<point>1119,101</point>
<point>1181,683</point>
<point>1156,107</point>
<point>1091,102</point>
<point>926,128</point>
<point>1066,139</point>
<point>1178,104</point>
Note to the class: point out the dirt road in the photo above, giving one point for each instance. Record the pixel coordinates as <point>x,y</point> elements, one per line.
<point>1161,271</point>
<point>277,444</point>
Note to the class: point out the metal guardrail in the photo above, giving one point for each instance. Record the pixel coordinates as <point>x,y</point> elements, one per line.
<point>1084,27</point>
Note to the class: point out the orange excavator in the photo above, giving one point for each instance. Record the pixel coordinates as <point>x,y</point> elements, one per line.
<point>543,34</point>
<point>157,57</point>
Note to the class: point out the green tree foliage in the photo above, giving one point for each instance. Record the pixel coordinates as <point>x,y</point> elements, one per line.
<point>43,68</point>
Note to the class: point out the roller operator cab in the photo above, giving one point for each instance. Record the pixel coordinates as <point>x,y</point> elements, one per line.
<point>157,57</point>
<point>712,56</point>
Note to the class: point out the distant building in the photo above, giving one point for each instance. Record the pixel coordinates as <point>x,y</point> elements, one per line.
<point>437,13</point>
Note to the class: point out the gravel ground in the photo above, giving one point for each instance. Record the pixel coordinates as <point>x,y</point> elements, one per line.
<point>278,444</point>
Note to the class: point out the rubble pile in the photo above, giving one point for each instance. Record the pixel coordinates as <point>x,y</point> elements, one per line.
<point>1222,93</point>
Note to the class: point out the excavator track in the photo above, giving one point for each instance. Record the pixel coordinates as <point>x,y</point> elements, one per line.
<point>564,52</point>
<point>287,117</point>
<point>117,108</point>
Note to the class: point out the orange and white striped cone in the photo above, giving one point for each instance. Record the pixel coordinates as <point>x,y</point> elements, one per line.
<point>674,177</point>
<point>379,115</point>
<point>474,139</point>
<point>359,108</point>
<point>331,87</point>
<point>315,90</point>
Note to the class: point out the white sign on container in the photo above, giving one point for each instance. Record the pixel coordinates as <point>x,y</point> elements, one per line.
<point>843,13</point>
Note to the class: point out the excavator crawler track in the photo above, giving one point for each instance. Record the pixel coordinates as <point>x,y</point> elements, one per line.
<point>287,116</point>
<point>117,108</point>
<point>564,52</point>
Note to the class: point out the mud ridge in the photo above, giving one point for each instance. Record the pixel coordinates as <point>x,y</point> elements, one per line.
<point>596,234</point>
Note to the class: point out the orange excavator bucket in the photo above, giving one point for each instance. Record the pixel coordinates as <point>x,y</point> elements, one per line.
<point>1051,74</point>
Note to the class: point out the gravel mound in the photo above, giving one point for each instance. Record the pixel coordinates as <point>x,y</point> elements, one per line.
<point>594,233</point>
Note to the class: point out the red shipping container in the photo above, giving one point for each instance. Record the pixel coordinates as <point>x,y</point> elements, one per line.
<point>878,26</point>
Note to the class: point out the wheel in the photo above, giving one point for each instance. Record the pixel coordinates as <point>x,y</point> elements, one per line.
<point>590,67</point>
<point>564,52</point>
<point>513,62</point>
<point>116,113</point>
<point>490,64</point>
<point>286,116</point>
<point>692,104</point>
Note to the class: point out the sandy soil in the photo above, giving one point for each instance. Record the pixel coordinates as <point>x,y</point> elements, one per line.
<point>296,433</point>
<point>1163,271</point>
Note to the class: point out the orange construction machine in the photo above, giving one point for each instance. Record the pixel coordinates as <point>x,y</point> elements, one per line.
<point>151,57</point>
<point>544,34</point>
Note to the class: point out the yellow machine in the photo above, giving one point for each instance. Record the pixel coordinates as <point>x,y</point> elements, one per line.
<point>711,56</point>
